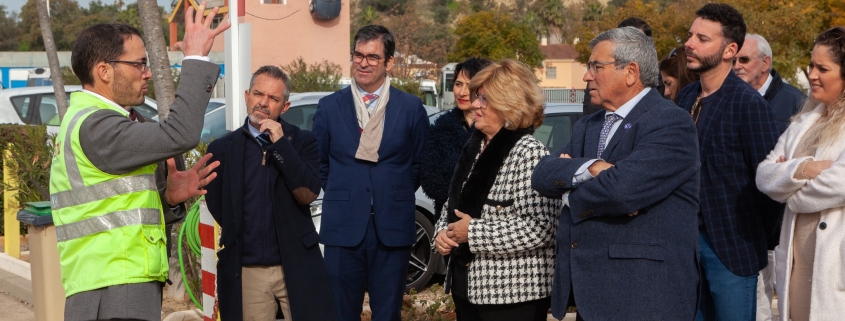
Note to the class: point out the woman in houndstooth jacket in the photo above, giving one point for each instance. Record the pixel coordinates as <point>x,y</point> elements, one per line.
<point>498,231</point>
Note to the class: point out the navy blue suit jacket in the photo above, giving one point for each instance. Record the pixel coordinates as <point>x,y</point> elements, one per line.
<point>623,267</point>
<point>738,130</point>
<point>354,188</point>
<point>294,158</point>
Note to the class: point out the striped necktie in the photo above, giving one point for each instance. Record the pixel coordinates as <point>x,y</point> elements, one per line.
<point>369,99</point>
<point>609,120</point>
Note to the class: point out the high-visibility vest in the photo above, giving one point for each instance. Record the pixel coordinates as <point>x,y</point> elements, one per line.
<point>109,227</point>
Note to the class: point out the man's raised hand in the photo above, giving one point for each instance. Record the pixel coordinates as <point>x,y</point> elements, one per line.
<point>198,33</point>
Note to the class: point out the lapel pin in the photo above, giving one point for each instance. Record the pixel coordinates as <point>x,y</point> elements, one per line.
<point>627,126</point>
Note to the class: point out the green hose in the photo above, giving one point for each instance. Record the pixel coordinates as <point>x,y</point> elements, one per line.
<point>191,224</point>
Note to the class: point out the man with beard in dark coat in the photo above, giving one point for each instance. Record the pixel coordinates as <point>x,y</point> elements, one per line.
<point>754,65</point>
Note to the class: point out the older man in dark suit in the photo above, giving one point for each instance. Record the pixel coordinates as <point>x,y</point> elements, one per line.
<point>627,240</point>
<point>736,131</point>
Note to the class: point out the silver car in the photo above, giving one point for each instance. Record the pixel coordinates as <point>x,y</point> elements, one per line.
<point>37,106</point>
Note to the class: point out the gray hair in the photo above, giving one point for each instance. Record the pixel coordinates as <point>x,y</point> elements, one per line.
<point>632,45</point>
<point>763,48</point>
<point>275,73</point>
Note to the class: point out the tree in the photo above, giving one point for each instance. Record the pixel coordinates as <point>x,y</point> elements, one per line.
<point>321,76</point>
<point>157,55</point>
<point>63,13</point>
<point>9,30</point>
<point>551,14</point>
<point>496,36</point>
<point>52,57</point>
<point>789,27</point>
<point>421,46</point>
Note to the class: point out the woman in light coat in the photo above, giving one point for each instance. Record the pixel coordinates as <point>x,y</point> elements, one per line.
<point>806,170</point>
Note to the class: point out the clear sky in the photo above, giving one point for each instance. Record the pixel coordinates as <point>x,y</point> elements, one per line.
<point>15,5</point>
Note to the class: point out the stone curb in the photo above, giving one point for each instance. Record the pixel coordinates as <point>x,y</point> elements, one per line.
<point>17,267</point>
<point>16,286</point>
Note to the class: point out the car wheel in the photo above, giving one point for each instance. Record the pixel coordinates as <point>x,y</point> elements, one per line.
<point>423,259</point>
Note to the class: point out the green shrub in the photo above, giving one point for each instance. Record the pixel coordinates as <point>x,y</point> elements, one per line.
<point>321,76</point>
<point>31,156</point>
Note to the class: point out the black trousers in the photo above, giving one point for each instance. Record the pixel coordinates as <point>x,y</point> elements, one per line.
<point>536,310</point>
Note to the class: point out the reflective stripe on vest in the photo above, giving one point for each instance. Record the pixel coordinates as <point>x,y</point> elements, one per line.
<point>105,222</point>
<point>86,194</point>
<point>81,194</point>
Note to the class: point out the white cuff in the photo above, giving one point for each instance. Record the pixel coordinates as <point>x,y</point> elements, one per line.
<point>203,58</point>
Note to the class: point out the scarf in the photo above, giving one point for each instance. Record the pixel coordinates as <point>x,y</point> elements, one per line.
<point>479,176</point>
<point>372,126</point>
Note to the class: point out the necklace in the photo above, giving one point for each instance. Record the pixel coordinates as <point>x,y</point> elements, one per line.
<point>695,112</point>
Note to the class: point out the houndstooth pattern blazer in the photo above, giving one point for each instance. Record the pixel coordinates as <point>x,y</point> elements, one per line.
<point>514,239</point>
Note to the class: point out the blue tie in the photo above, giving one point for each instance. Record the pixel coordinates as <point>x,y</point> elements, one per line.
<point>609,120</point>
<point>264,139</point>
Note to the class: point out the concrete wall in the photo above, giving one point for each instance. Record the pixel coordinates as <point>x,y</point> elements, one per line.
<point>278,42</point>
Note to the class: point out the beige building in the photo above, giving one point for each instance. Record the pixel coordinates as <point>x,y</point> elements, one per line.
<point>282,30</point>
<point>560,70</point>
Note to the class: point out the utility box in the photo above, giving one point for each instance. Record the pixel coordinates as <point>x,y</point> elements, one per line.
<point>47,290</point>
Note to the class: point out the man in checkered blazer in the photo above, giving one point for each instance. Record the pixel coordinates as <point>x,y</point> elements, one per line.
<point>736,131</point>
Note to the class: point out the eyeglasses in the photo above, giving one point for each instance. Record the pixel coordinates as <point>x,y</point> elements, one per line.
<point>742,60</point>
<point>482,101</point>
<point>592,66</point>
<point>137,64</point>
<point>372,60</point>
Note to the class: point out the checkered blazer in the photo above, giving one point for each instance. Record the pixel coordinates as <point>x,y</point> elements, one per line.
<point>735,135</point>
<point>513,244</point>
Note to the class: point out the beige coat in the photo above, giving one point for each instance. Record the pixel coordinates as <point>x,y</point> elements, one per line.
<point>825,194</point>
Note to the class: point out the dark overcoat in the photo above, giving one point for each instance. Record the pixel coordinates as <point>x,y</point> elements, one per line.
<point>296,161</point>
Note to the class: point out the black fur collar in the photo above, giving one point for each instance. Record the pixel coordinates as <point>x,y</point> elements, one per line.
<point>469,198</point>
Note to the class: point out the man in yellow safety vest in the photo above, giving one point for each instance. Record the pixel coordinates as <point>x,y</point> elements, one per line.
<point>106,205</point>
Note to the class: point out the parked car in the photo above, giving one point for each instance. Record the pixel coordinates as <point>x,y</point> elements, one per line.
<point>555,132</point>
<point>37,106</point>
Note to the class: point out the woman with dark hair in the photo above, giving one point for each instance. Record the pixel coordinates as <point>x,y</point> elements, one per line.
<point>497,230</point>
<point>447,136</point>
<point>805,171</point>
<point>675,73</point>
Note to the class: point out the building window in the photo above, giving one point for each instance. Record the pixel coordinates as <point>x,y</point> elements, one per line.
<point>551,72</point>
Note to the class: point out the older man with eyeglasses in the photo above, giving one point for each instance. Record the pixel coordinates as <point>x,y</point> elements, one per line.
<point>370,136</point>
<point>753,64</point>
<point>626,241</point>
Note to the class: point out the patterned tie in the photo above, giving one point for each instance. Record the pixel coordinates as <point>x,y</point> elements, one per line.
<point>368,101</point>
<point>264,139</point>
<point>609,120</point>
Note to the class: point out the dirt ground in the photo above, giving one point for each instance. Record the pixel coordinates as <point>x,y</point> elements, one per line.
<point>15,309</point>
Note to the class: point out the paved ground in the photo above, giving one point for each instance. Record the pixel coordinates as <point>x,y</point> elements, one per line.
<point>14,310</point>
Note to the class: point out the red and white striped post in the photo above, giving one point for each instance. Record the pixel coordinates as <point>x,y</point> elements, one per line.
<point>209,233</point>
